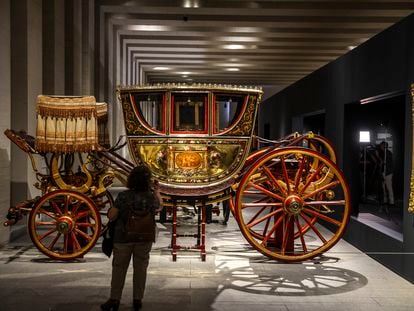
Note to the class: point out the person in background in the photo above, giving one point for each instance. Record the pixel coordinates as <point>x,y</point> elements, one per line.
<point>387,172</point>
<point>140,191</point>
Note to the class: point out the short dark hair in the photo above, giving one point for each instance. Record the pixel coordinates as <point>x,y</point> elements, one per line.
<point>139,179</point>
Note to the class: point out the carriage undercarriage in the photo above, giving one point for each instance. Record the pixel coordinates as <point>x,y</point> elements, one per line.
<point>280,195</point>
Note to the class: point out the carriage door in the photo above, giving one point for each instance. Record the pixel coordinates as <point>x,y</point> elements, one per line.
<point>187,155</point>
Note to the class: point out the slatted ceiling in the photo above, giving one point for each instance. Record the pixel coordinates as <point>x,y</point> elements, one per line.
<point>284,40</point>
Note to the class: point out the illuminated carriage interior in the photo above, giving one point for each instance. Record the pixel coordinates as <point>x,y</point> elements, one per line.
<point>193,138</point>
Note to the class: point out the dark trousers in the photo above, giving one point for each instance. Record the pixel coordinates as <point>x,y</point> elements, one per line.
<point>122,253</point>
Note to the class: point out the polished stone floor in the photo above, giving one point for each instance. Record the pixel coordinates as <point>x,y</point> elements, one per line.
<point>234,277</point>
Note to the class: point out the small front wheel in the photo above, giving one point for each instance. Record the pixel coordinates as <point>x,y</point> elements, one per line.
<point>64,224</point>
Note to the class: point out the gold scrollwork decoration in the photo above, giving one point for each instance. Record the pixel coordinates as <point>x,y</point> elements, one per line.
<point>132,125</point>
<point>411,199</point>
<point>245,126</point>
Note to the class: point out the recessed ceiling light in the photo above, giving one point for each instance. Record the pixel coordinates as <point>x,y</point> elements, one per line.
<point>185,76</point>
<point>232,65</point>
<point>239,39</point>
<point>351,47</point>
<point>232,69</point>
<point>184,73</point>
<point>245,29</point>
<point>149,27</point>
<point>191,4</point>
<point>234,46</point>
<point>161,68</point>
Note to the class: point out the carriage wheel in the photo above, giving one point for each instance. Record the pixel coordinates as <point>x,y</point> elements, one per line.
<point>281,204</point>
<point>64,224</point>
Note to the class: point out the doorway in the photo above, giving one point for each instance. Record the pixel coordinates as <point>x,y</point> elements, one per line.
<point>373,158</point>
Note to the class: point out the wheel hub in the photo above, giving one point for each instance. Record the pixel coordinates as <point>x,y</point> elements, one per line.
<point>293,204</point>
<point>64,225</point>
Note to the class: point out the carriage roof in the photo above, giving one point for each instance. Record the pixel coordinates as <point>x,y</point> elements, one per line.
<point>193,86</point>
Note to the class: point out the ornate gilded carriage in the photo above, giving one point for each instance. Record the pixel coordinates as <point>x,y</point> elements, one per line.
<point>197,140</point>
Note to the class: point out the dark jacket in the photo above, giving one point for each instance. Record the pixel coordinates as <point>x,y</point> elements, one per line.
<point>141,201</point>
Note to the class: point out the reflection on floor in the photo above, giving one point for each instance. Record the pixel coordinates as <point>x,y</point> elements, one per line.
<point>385,218</point>
<point>234,277</point>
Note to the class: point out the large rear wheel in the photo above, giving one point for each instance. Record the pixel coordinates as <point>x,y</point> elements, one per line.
<point>284,204</point>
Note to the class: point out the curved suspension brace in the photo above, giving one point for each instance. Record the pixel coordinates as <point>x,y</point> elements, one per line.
<point>59,180</point>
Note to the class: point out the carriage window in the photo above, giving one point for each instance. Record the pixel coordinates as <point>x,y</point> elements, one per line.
<point>151,108</point>
<point>189,112</point>
<point>227,109</point>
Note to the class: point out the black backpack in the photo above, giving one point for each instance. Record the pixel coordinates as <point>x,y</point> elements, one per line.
<point>140,222</point>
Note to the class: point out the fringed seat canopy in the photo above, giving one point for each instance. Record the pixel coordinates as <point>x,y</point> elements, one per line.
<point>66,124</point>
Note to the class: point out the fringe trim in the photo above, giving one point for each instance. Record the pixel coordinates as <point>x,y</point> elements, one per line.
<point>66,112</point>
<point>66,147</point>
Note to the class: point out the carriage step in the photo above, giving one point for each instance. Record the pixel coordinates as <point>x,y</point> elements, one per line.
<point>187,235</point>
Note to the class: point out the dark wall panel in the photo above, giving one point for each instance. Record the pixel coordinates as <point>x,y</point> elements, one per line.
<point>384,64</point>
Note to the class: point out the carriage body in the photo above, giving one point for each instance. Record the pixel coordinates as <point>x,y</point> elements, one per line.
<point>194,138</point>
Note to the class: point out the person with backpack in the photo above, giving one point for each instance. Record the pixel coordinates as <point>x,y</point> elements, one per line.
<point>134,212</point>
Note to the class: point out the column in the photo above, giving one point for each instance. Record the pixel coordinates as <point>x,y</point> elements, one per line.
<point>5,100</point>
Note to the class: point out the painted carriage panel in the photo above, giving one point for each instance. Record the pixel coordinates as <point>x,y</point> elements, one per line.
<point>189,162</point>
<point>191,136</point>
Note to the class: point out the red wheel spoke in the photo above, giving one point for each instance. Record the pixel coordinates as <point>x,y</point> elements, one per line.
<point>300,230</point>
<point>260,200</point>
<point>81,215</point>
<point>66,204</point>
<point>252,192</point>
<point>83,234</point>
<point>313,228</point>
<point>50,214</point>
<point>49,232</point>
<point>45,223</point>
<point>56,208</point>
<point>270,204</point>
<point>327,203</point>
<point>256,215</point>
<point>285,173</point>
<point>266,226</point>
<point>50,246</point>
<point>267,237</point>
<point>259,220</point>
<point>322,216</point>
<point>269,193</point>
<point>75,241</point>
<point>273,179</point>
<point>331,184</point>
<point>311,178</point>
<point>85,224</point>
<point>65,243</point>
<point>76,207</point>
<point>299,173</point>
